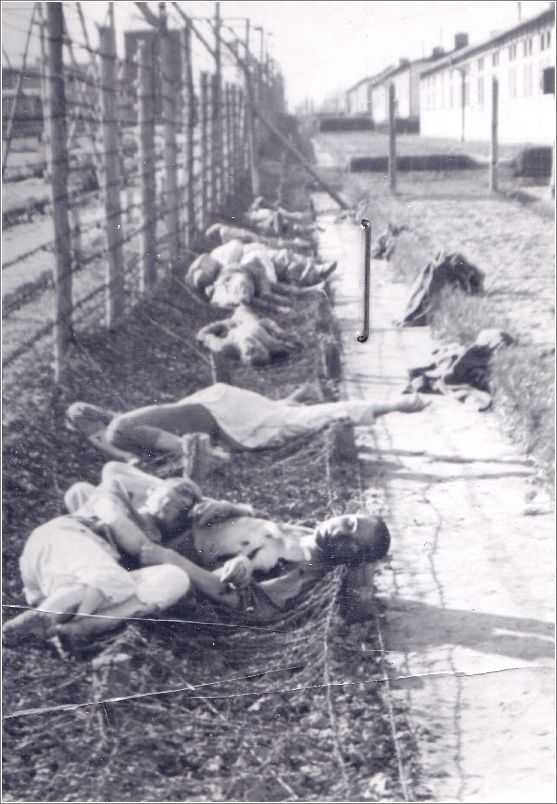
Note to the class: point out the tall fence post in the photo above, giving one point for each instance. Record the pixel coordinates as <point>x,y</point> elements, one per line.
<point>494,150</point>
<point>58,170</point>
<point>189,122</point>
<point>204,155</point>
<point>217,113</point>
<point>212,144</point>
<point>111,179</point>
<point>392,137</point>
<point>172,204</point>
<point>146,120</point>
<point>227,150</point>
<point>250,123</point>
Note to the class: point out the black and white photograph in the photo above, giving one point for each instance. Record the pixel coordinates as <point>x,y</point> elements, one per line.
<point>278,394</point>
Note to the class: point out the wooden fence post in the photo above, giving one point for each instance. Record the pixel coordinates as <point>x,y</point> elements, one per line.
<point>111,179</point>
<point>227,151</point>
<point>172,203</point>
<point>213,162</point>
<point>494,150</point>
<point>58,170</point>
<point>189,122</point>
<point>204,156</point>
<point>217,114</point>
<point>146,120</point>
<point>392,137</point>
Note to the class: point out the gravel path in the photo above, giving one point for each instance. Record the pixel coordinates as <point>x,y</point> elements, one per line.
<point>469,587</point>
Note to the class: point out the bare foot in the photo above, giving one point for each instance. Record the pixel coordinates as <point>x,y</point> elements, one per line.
<point>413,403</point>
<point>29,624</point>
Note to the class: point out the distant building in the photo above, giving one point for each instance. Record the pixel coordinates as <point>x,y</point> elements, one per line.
<point>406,80</point>
<point>455,93</point>
<point>358,99</point>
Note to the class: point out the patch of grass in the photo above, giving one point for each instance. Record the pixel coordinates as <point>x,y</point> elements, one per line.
<point>459,317</point>
<point>522,378</point>
<point>524,385</point>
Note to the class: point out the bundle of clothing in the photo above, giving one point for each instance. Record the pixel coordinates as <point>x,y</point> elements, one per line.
<point>461,371</point>
<point>446,270</point>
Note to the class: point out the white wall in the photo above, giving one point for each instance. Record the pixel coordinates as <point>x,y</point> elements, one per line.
<point>525,113</point>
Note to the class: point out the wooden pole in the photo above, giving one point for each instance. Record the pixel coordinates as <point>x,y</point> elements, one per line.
<point>58,170</point>
<point>204,156</point>
<point>212,144</point>
<point>148,179</point>
<point>494,151</point>
<point>112,181</point>
<point>227,151</point>
<point>462,105</point>
<point>189,122</point>
<point>392,137</point>
<point>299,158</point>
<point>172,203</point>
<point>217,113</point>
<point>250,126</point>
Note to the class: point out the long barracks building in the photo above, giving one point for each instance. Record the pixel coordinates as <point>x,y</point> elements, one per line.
<point>455,93</point>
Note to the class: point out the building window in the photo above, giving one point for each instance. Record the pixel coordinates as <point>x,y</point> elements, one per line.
<point>495,58</point>
<point>548,81</point>
<point>451,96</point>
<point>528,80</point>
<point>512,52</point>
<point>527,46</point>
<point>512,83</point>
<point>480,64</point>
<point>481,91</point>
<point>545,40</point>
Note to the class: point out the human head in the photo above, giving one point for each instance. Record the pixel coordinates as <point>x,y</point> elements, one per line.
<point>87,419</point>
<point>353,539</point>
<point>232,288</point>
<point>170,502</point>
<point>213,233</point>
<point>202,272</point>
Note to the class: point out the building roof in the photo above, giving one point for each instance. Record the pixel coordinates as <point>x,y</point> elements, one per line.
<point>371,79</point>
<point>500,38</point>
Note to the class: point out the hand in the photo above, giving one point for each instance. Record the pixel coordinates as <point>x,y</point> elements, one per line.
<point>237,572</point>
<point>209,512</point>
<point>150,553</point>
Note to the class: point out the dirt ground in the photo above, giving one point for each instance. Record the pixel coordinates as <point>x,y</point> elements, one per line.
<point>193,709</point>
<point>469,603</point>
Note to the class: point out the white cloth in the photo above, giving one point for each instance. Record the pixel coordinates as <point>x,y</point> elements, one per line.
<point>65,552</point>
<point>229,253</point>
<point>256,422</point>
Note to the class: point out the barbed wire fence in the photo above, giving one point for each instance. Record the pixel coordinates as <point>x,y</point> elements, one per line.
<point>142,149</point>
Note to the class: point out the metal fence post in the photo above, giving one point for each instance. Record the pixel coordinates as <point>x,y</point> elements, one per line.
<point>58,171</point>
<point>111,179</point>
<point>171,205</point>
<point>146,119</point>
<point>494,150</point>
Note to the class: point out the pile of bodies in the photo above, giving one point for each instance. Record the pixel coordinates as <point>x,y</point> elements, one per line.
<point>136,544</point>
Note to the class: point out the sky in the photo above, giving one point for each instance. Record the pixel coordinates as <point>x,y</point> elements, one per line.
<point>321,46</point>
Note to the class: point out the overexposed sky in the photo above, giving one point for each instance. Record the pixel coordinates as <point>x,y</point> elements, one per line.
<point>321,46</point>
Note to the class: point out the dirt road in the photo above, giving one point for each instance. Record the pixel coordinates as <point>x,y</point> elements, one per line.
<point>469,586</point>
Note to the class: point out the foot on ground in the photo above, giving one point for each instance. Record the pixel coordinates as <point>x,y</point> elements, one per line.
<point>32,624</point>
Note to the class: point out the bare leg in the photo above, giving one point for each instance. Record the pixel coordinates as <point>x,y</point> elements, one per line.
<point>104,620</point>
<point>409,403</point>
<point>158,428</point>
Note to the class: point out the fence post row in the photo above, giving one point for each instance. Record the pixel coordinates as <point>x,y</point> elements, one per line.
<point>111,179</point>
<point>146,120</point>
<point>189,122</point>
<point>58,171</point>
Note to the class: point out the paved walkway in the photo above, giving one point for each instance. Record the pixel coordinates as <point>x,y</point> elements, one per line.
<point>469,586</point>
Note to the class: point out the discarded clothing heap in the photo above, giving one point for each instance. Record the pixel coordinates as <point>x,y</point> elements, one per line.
<point>446,270</point>
<point>461,371</point>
